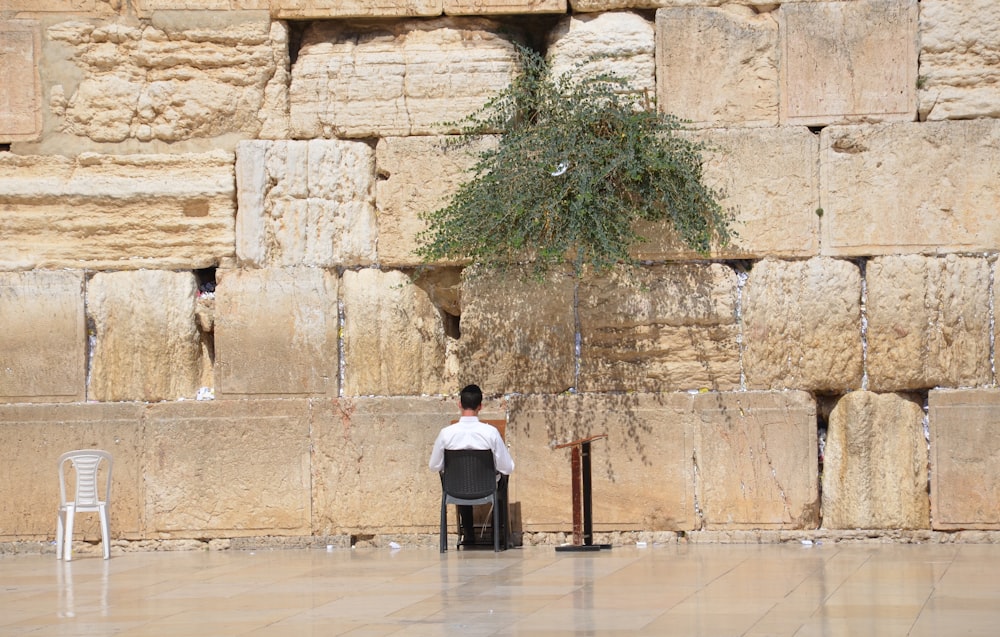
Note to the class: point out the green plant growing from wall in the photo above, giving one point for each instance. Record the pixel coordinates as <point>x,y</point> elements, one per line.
<point>581,159</point>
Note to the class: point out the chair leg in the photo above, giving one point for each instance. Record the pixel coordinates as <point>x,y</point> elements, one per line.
<point>68,539</point>
<point>496,525</point>
<point>60,532</point>
<point>444,525</point>
<point>105,531</point>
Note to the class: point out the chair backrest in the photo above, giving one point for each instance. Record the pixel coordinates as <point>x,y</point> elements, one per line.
<point>469,473</point>
<point>85,462</point>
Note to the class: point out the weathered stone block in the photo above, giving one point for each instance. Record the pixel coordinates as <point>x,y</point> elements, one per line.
<point>928,322</point>
<point>736,47</point>
<point>32,437</point>
<point>20,86</point>
<point>228,468</point>
<point>382,79</point>
<point>621,43</point>
<point>757,460</point>
<point>924,187</point>
<point>802,325</point>
<point>583,6</point>
<point>92,7</point>
<point>200,79</point>
<point>959,46</point>
<point>497,7</point>
<point>146,341</point>
<point>417,175</point>
<point>319,9</point>
<point>276,333</point>
<point>370,459</point>
<point>517,333</point>
<point>848,61</point>
<point>305,203</point>
<point>43,343</point>
<point>651,441</point>
<point>965,459</point>
<point>875,464</point>
<point>769,177</point>
<point>395,342</point>
<point>116,211</point>
<point>659,328</point>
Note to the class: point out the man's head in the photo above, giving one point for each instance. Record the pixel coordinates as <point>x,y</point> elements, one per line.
<point>471,397</point>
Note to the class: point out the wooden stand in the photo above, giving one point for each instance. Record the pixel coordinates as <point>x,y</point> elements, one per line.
<point>583,521</point>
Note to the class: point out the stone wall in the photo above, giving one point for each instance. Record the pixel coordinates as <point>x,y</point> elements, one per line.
<point>208,219</point>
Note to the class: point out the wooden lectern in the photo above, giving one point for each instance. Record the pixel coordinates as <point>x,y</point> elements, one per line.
<point>583,516</point>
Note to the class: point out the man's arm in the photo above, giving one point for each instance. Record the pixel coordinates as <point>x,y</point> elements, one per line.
<point>501,456</point>
<point>437,455</point>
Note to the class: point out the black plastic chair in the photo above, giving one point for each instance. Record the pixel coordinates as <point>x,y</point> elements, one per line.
<point>469,478</point>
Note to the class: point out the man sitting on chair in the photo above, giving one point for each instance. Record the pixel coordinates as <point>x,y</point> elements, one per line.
<point>470,433</point>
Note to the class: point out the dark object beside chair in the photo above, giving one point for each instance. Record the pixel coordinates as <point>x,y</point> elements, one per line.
<point>469,478</point>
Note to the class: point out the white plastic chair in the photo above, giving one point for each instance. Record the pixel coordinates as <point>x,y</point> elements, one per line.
<point>88,498</point>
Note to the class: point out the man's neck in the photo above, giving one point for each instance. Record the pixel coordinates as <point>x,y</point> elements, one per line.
<point>470,413</point>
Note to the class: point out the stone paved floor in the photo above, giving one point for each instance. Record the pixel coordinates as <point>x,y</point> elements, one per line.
<point>831,590</point>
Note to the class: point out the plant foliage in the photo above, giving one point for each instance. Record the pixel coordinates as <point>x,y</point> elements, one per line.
<point>580,160</point>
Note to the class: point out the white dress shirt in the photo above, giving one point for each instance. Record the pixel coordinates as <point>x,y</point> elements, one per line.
<point>471,433</point>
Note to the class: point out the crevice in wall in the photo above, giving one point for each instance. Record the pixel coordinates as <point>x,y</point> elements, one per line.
<point>695,474</point>
<point>295,30</point>
<point>443,287</point>
<point>742,269</point>
<point>824,406</point>
<point>90,335</point>
<point>991,309</point>
<point>205,320</point>
<point>4,148</point>
<point>863,266</point>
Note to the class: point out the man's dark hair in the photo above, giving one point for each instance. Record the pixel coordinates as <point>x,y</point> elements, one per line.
<point>471,397</point>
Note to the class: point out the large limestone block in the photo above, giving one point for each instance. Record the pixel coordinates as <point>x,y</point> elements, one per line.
<point>660,328</point>
<point>276,333</point>
<point>757,460</point>
<point>875,464</point>
<point>848,61</point>
<point>321,9</point>
<point>308,203</point>
<point>116,211</point>
<point>734,46</point>
<point>583,6</point>
<point>380,79</point>
<point>911,187</point>
<point>228,468</point>
<point>621,43</point>
<point>156,8</point>
<point>517,333</point>
<point>32,437</point>
<point>959,45</point>
<point>370,457</point>
<point>965,458</point>
<point>802,325</point>
<point>417,175</point>
<point>642,473</point>
<point>499,7</point>
<point>928,322</point>
<point>194,81</point>
<point>20,85</point>
<point>395,341</point>
<point>91,7</point>
<point>43,343</point>
<point>146,340</point>
<point>769,177</point>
